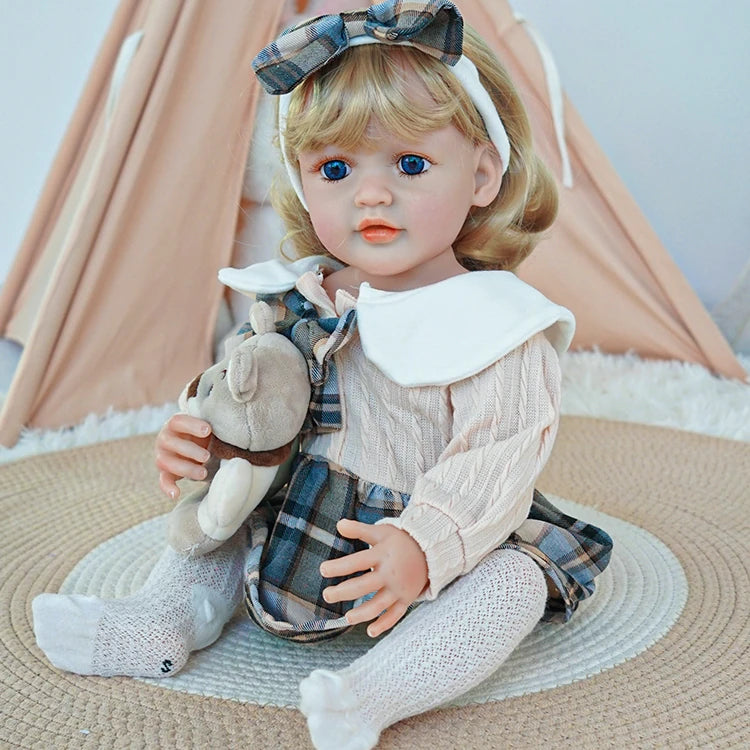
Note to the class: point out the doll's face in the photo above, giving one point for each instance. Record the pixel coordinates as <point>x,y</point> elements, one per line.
<point>393,211</point>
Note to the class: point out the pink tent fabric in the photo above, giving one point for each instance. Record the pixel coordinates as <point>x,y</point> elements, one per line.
<point>113,295</point>
<point>113,292</point>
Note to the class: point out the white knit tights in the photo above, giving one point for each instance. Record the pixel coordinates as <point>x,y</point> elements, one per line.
<point>183,606</point>
<point>437,653</point>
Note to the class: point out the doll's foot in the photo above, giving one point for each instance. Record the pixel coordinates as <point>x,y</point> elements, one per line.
<point>88,635</point>
<point>333,713</point>
<point>437,653</point>
<point>182,607</point>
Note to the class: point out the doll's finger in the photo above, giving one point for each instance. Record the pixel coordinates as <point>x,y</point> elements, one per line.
<point>370,609</point>
<point>179,467</point>
<point>388,619</point>
<point>349,564</point>
<point>168,485</point>
<point>352,589</point>
<point>169,442</point>
<point>366,532</point>
<point>187,425</point>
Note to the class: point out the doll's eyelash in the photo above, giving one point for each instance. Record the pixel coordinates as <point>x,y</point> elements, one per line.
<point>318,166</point>
<point>396,159</point>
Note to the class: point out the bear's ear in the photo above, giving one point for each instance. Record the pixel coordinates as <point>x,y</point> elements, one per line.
<point>232,342</point>
<point>242,372</point>
<point>262,318</point>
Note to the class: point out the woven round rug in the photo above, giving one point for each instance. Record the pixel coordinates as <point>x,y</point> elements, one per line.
<point>638,599</point>
<point>663,662</point>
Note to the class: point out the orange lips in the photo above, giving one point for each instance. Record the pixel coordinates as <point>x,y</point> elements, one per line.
<point>377,231</point>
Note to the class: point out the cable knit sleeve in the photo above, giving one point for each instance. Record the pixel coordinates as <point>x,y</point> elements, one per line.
<point>504,423</point>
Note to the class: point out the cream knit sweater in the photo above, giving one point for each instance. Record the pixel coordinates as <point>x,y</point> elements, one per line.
<point>469,453</point>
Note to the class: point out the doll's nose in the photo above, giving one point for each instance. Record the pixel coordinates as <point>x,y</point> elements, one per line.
<point>373,190</point>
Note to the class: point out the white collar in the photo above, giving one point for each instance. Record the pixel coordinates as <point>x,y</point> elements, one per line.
<point>436,334</point>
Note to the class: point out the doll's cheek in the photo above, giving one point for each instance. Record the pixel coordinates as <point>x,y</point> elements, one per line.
<point>327,232</point>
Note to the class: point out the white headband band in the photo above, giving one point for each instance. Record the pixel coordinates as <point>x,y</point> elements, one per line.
<point>467,75</point>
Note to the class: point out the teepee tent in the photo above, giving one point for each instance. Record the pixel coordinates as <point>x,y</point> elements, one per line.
<point>112,293</point>
<point>601,259</point>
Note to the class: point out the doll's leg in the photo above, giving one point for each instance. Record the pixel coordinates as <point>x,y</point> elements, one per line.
<point>182,607</point>
<point>439,652</point>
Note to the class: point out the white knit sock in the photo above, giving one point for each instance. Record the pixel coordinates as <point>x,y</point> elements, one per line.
<point>182,607</point>
<point>437,653</point>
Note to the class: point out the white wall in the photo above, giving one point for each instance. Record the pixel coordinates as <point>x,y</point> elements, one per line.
<point>46,50</point>
<point>663,85</point>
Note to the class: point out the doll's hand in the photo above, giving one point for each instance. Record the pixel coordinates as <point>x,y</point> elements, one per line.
<point>181,451</point>
<point>397,574</point>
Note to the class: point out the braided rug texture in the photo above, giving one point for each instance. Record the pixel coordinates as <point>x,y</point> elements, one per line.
<point>688,689</point>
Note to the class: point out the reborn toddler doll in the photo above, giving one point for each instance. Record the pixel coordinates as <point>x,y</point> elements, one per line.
<point>413,194</point>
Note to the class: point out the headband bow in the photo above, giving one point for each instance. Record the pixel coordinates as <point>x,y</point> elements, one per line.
<point>434,27</point>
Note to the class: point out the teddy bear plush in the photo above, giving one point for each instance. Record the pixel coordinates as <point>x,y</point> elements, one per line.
<point>256,400</point>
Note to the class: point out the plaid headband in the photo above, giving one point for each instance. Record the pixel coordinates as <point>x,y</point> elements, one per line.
<point>435,27</point>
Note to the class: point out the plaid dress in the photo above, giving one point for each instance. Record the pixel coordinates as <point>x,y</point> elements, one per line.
<point>293,533</point>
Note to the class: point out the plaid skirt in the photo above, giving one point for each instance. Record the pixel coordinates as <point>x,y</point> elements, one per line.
<point>292,534</point>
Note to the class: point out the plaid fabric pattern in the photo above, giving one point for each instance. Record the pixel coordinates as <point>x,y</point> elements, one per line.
<point>318,339</point>
<point>433,26</point>
<point>289,541</point>
<point>283,583</point>
<point>291,535</point>
<point>571,554</point>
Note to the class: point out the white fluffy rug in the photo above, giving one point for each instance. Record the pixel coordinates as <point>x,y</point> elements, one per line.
<point>662,393</point>
<point>628,388</point>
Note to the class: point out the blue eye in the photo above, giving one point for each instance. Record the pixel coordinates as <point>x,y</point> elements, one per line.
<point>336,169</point>
<point>411,164</point>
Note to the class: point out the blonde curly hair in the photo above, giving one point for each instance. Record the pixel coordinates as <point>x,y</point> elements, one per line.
<point>335,105</point>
